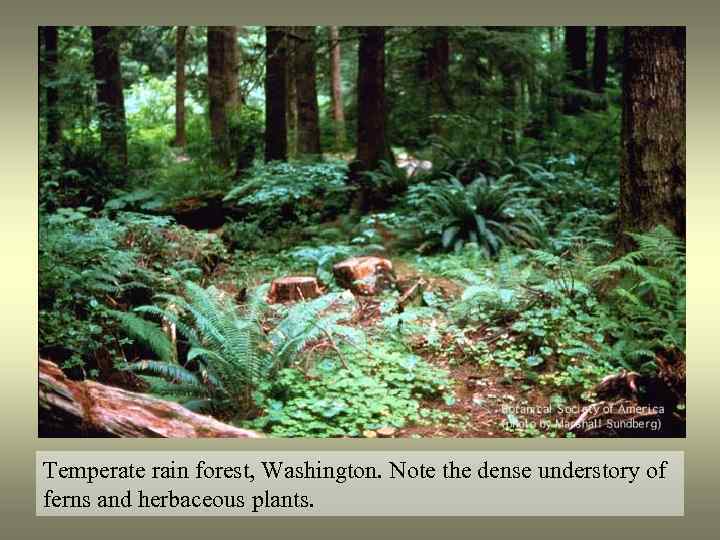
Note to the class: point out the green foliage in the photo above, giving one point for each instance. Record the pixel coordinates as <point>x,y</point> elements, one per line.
<point>305,322</point>
<point>246,133</point>
<point>276,193</point>
<point>489,213</point>
<point>80,265</point>
<point>650,296</point>
<point>226,346</point>
<point>374,390</point>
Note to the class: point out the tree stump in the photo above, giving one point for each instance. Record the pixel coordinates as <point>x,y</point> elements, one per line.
<point>365,275</point>
<point>293,288</point>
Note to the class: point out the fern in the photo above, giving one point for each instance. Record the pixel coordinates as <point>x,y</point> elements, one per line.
<point>227,355</point>
<point>651,291</point>
<point>491,214</point>
<point>305,322</point>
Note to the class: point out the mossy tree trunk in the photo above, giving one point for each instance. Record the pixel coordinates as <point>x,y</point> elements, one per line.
<point>308,132</point>
<point>652,179</point>
<point>111,103</point>
<point>276,147</point>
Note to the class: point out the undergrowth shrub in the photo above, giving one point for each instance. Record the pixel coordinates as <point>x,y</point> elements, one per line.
<point>276,193</point>
<point>226,356</point>
<point>489,213</point>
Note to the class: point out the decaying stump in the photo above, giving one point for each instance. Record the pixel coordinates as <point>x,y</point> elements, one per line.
<point>293,288</point>
<point>90,409</point>
<point>365,275</point>
<point>635,405</point>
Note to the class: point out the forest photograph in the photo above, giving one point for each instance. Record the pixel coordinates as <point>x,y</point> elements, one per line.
<point>361,232</point>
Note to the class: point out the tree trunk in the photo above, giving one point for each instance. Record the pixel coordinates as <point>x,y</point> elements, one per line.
<point>510,102</point>
<point>180,84</point>
<point>54,132</point>
<point>217,90</point>
<point>652,178</point>
<point>231,68</point>
<point>336,94</point>
<point>576,68</point>
<point>276,94</point>
<point>111,104</point>
<point>372,144</point>
<point>308,133</point>
<point>69,408</point>
<point>600,59</point>
<point>292,114</point>
<point>437,61</point>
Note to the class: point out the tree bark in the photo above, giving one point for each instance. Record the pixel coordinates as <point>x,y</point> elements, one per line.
<point>89,409</point>
<point>54,130</point>
<point>111,104</point>
<point>437,61</point>
<point>600,59</point>
<point>276,94</point>
<point>232,94</point>
<point>336,84</point>
<point>576,68</point>
<point>372,144</point>
<point>652,178</point>
<point>292,114</point>
<point>180,86</point>
<point>217,94</point>
<point>308,133</point>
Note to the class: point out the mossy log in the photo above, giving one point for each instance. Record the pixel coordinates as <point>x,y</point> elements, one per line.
<point>68,408</point>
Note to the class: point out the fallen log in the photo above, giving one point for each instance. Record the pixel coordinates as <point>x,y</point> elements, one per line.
<point>293,288</point>
<point>365,275</point>
<point>70,408</point>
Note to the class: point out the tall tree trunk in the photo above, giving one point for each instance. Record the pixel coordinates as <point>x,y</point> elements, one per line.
<point>292,116</point>
<point>111,104</point>
<point>217,94</point>
<point>231,68</point>
<point>576,68</point>
<point>308,133</point>
<point>54,131</point>
<point>336,84</point>
<point>437,61</point>
<point>652,178</point>
<point>600,59</point>
<point>276,94</point>
<point>510,103</point>
<point>180,84</point>
<point>372,144</point>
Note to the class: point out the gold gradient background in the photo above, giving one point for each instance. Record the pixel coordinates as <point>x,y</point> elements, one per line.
<point>18,286</point>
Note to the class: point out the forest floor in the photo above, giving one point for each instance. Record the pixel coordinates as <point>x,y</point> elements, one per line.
<point>488,401</point>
